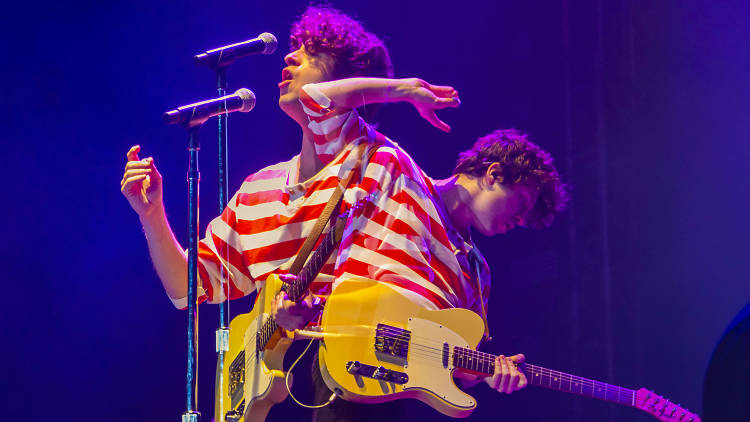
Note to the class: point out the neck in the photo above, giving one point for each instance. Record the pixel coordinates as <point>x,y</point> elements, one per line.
<point>455,193</point>
<point>309,163</point>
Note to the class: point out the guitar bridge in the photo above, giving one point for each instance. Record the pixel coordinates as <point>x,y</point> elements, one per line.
<point>237,378</point>
<point>355,367</point>
<point>392,341</point>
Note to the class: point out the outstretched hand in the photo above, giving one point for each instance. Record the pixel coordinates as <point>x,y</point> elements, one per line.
<point>141,184</point>
<point>427,99</point>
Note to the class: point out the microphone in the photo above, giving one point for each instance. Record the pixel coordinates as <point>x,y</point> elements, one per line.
<point>265,43</point>
<point>195,114</point>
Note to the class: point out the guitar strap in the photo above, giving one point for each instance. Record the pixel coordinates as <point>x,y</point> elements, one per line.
<point>476,265</point>
<point>333,204</point>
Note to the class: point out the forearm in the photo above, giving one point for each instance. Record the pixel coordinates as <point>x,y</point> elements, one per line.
<point>355,92</point>
<point>170,260</point>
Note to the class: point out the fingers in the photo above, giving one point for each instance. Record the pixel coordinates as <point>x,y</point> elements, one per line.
<point>132,183</point>
<point>431,117</point>
<point>144,164</point>
<point>508,378</point>
<point>443,91</point>
<point>504,375</point>
<point>140,164</point>
<point>286,312</point>
<point>134,172</point>
<point>132,154</point>
<point>441,103</point>
<point>288,278</point>
<point>518,359</point>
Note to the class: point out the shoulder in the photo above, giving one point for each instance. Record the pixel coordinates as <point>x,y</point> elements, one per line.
<point>273,175</point>
<point>390,154</point>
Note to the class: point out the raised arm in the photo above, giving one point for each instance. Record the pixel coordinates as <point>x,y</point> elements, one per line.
<point>426,98</point>
<point>142,186</point>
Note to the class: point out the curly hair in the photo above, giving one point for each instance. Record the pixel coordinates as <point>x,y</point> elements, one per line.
<point>520,161</point>
<point>356,51</point>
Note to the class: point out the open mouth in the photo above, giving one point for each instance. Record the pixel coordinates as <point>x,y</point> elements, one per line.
<point>286,77</point>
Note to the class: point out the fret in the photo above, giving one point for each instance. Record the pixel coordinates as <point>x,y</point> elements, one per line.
<point>578,385</point>
<point>587,389</point>
<point>306,276</point>
<point>555,379</point>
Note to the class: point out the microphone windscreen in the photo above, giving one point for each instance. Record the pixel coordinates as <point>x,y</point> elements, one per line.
<point>270,41</point>
<point>247,97</point>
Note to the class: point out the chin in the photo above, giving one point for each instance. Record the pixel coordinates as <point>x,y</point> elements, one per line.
<point>293,109</point>
<point>488,232</point>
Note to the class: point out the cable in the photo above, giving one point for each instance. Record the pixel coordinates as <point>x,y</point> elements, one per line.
<point>286,381</point>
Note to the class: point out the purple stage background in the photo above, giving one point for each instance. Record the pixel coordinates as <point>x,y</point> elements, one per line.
<point>644,104</point>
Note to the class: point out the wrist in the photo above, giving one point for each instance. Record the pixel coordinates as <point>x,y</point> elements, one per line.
<point>402,90</point>
<point>153,219</point>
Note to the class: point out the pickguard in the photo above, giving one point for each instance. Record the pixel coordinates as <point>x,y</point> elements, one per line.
<point>425,364</point>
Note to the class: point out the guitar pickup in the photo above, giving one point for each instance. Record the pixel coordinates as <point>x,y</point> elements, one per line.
<point>355,367</point>
<point>392,341</point>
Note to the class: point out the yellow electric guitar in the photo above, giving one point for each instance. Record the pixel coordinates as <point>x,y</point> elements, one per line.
<point>379,346</point>
<point>253,377</point>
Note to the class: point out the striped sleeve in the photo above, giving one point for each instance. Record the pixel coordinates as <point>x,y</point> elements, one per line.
<point>223,267</point>
<point>332,129</point>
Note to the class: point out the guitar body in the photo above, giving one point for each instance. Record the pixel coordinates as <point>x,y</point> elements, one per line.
<point>361,311</point>
<point>378,346</point>
<point>252,381</point>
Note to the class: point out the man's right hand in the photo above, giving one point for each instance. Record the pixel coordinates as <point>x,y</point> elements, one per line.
<point>142,184</point>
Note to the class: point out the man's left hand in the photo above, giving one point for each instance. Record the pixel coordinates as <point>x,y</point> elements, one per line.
<point>507,378</point>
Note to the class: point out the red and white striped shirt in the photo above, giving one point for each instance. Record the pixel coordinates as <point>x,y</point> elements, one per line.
<point>404,239</point>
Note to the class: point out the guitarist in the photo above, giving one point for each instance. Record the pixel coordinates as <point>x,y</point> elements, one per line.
<point>504,181</point>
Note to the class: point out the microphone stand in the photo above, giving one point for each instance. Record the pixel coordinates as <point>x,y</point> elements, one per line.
<point>222,332</point>
<point>192,415</point>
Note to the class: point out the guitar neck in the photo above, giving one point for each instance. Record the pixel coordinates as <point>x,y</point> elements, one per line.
<point>297,289</point>
<point>484,364</point>
<point>308,273</point>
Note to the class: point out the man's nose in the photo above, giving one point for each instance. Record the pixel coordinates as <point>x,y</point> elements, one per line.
<point>292,59</point>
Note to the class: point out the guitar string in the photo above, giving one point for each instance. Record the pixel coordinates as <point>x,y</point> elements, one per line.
<point>624,395</point>
<point>609,388</point>
<point>327,242</point>
<point>488,359</point>
<point>482,358</point>
<point>629,395</point>
<point>431,353</point>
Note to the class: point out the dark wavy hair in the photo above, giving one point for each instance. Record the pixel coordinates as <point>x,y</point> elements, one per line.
<point>356,51</point>
<point>520,161</point>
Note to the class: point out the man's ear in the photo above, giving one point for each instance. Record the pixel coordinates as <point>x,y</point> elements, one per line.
<point>493,174</point>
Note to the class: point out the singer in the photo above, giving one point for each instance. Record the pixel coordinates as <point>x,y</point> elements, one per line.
<point>402,240</point>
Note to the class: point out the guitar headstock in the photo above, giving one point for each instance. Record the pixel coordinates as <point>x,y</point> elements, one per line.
<point>661,408</point>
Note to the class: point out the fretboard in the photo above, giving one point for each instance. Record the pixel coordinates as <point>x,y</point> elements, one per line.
<point>484,363</point>
<point>311,269</point>
<point>297,289</point>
